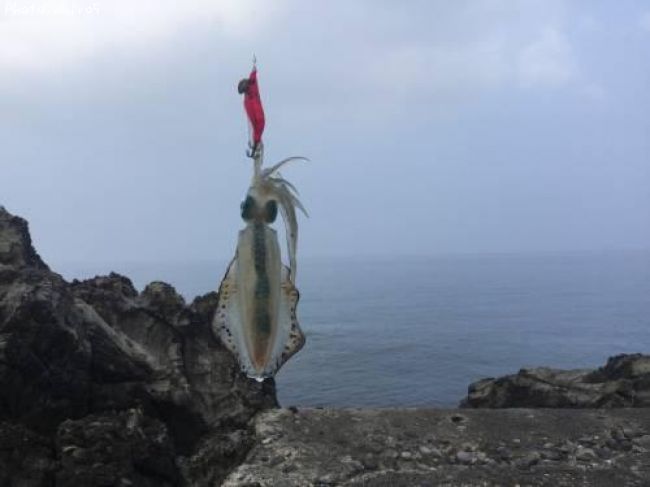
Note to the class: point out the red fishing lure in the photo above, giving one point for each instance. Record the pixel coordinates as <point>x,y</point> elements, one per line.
<point>253,106</point>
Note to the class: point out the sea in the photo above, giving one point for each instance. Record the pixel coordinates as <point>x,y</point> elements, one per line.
<point>416,331</point>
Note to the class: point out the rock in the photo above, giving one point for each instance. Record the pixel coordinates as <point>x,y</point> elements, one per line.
<point>125,448</point>
<point>624,366</point>
<point>527,461</point>
<point>504,453</point>
<point>631,432</point>
<point>604,453</point>
<point>26,459</point>
<point>552,454</point>
<point>216,454</point>
<point>585,454</point>
<point>466,457</point>
<point>16,248</point>
<point>623,382</point>
<point>77,358</point>
<point>643,441</point>
<point>625,445</point>
<point>470,455</point>
<point>182,371</point>
<point>370,463</point>
<point>45,352</point>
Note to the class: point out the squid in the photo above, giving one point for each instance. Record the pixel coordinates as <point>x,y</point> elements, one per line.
<point>256,313</point>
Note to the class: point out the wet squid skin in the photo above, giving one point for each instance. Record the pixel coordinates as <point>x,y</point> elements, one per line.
<point>256,314</point>
<point>260,279</point>
<point>262,327</point>
<point>262,286</point>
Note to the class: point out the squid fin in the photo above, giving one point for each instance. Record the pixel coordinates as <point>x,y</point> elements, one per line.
<point>294,337</point>
<point>227,320</point>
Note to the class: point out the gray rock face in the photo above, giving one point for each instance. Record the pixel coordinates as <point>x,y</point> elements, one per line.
<point>16,248</point>
<point>455,448</point>
<point>125,448</point>
<point>26,459</point>
<point>77,360</point>
<point>623,382</point>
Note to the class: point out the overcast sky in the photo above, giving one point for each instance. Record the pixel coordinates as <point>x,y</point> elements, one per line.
<point>432,126</point>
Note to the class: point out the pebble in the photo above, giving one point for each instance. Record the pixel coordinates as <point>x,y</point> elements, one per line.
<point>604,453</point>
<point>436,453</point>
<point>469,446</point>
<point>643,441</point>
<point>406,455</point>
<point>585,454</point>
<point>617,434</point>
<point>390,453</point>
<point>568,447</point>
<point>504,453</point>
<point>328,479</point>
<point>369,463</point>
<point>586,440</point>
<point>458,418</point>
<point>289,468</point>
<point>425,450</point>
<point>276,460</point>
<point>466,457</point>
<point>631,432</point>
<point>529,460</point>
<point>552,454</point>
<point>353,467</point>
<point>80,454</point>
<point>625,445</point>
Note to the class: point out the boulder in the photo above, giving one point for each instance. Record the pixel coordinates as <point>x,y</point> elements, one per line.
<point>623,382</point>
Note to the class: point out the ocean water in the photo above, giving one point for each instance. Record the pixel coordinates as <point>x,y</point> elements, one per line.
<point>416,331</point>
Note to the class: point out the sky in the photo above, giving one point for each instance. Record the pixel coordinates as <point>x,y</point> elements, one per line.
<point>432,127</point>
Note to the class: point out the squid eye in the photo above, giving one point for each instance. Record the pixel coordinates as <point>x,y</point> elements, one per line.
<point>270,211</point>
<point>248,208</point>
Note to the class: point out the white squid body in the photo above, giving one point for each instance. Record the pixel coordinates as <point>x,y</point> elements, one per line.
<point>256,314</point>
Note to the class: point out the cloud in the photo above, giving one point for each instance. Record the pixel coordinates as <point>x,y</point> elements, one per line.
<point>486,61</point>
<point>442,67</point>
<point>547,61</point>
<point>644,22</point>
<point>37,35</point>
<point>593,92</point>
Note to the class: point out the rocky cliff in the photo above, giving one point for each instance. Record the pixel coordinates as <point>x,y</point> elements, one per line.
<point>103,385</point>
